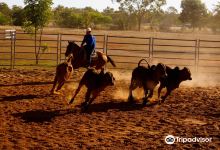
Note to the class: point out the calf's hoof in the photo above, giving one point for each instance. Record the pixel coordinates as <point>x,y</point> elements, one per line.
<point>145,101</point>
<point>56,93</point>
<point>84,108</point>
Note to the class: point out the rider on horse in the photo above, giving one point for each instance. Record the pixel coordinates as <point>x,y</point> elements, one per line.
<point>90,41</point>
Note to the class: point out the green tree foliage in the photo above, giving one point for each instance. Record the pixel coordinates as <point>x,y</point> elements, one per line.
<point>5,9</point>
<point>155,15</point>
<point>169,19</point>
<point>79,18</point>
<point>3,19</point>
<point>17,15</point>
<point>215,21</point>
<point>140,8</point>
<point>38,12</point>
<point>5,14</point>
<point>193,12</point>
<point>37,15</point>
<point>66,17</point>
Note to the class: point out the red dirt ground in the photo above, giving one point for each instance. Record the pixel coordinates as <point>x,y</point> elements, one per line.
<point>31,118</point>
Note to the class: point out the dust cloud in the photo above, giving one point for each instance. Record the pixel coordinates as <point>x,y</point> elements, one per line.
<point>203,80</point>
<point>123,79</point>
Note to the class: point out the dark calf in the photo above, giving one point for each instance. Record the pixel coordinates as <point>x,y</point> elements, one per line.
<point>95,83</point>
<point>146,77</point>
<point>172,81</point>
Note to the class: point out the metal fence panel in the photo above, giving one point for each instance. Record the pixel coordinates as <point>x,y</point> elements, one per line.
<point>198,55</point>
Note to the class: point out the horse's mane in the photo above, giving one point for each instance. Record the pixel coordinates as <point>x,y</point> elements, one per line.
<point>73,43</point>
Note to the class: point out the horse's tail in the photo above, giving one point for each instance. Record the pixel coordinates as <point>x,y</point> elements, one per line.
<point>111,61</point>
<point>144,60</point>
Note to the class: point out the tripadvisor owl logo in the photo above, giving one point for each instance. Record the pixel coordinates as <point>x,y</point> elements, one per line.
<point>169,139</point>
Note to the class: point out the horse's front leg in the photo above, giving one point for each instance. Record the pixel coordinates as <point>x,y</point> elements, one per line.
<point>94,95</point>
<point>87,98</point>
<point>132,87</point>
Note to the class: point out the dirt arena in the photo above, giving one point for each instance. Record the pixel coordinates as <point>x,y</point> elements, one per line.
<point>31,118</point>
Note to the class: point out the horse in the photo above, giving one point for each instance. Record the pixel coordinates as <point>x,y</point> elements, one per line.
<point>79,57</point>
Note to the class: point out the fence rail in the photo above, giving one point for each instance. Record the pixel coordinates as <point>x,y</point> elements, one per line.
<point>199,55</point>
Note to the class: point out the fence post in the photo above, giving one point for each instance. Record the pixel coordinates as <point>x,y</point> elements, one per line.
<point>196,56</point>
<point>14,43</point>
<point>149,47</point>
<point>58,38</point>
<point>60,46</point>
<point>11,63</point>
<point>106,47</point>
<point>104,43</point>
<point>152,50</point>
<point>198,49</point>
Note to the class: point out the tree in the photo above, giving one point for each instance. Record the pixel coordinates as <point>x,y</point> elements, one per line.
<point>79,18</point>
<point>5,9</point>
<point>193,13</point>
<point>156,13</point>
<point>37,14</point>
<point>139,7</point>
<point>5,14</point>
<point>169,19</point>
<point>3,19</point>
<point>216,18</point>
<point>17,15</point>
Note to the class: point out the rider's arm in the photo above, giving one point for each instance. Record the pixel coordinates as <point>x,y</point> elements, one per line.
<point>84,40</point>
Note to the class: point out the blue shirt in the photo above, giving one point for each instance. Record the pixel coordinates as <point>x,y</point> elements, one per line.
<point>89,40</point>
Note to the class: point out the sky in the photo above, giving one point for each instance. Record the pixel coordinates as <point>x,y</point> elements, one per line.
<point>102,4</point>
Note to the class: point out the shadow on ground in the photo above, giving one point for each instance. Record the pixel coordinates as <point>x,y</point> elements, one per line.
<point>47,115</point>
<point>28,83</point>
<point>121,106</point>
<point>41,116</point>
<point>20,97</point>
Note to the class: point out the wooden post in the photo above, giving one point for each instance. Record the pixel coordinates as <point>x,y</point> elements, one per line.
<point>152,50</point>
<point>58,38</point>
<point>149,47</point>
<point>195,57</point>
<point>60,46</point>
<point>104,44</point>
<point>11,63</point>
<point>14,43</point>
<point>198,49</point>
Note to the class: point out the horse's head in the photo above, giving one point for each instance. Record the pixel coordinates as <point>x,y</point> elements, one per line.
<point>71,48</point>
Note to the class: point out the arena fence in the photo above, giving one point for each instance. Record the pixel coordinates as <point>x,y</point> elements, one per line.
<point>20,49</point>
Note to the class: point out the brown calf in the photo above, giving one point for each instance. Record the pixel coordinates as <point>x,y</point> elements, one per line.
<point>63,72</point>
